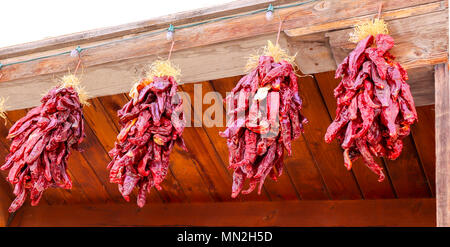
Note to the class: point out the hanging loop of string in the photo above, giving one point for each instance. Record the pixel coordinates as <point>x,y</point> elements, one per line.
<point>171,48</point>
<point>78,64</point>
<point>154,33</point>
<point>379,10</point>
<point>279,29</point>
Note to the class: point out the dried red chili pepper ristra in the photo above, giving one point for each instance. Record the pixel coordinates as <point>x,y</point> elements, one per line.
<point>264,118</point>
<point>41,143</point>
<point>151,123</point>
<point>375,109</point>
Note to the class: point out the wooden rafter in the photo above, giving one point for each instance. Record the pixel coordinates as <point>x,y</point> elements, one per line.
<point>395,212</point>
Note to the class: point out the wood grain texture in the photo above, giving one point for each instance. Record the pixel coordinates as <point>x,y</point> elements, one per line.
<point>442,144</point>
<point>224,60</point>
<point>356,213</point>
<point>218,144</point>
<point>219,43</point>
<point>160,22</point>
<point>313,53</point>
<point>419,40</point>
<point>341,184</point>
<point>423,133</point>
<point>5,201</point>
<point>352,21</point>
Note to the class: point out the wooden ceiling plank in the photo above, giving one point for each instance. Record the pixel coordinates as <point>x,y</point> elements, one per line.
<point>442,126</point>
<point>6,197</point>
<point>367,180</point>
<point>423,133</point>
<point>330,213</point>
<point>406,173</point>
<point>97,158</point>
<point>340,183</point>
<point>218,143</point>
<point>216,176</point>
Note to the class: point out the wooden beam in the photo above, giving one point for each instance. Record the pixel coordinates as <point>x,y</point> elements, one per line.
<point>180,18</point>
<point>311,14</point>
<point>442,145</point>
<point>386,15</point>
<point>219,50</point>
<point>393,212</point>
<point>419,40</point>
<point>197,64</point>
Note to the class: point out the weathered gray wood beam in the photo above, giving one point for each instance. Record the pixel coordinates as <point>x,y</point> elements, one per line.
<point>442,145</point>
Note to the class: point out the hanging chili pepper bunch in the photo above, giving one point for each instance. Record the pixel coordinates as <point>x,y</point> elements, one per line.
<point>42,142</point>
<point>375,108</point>
<point>151,123</point>
<point>264,118</point>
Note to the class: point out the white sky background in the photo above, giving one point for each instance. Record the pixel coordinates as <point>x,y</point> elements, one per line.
<point>29,20</point>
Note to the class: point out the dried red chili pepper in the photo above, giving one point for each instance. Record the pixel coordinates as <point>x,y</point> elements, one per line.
<point>41,143</point>
<point>151,123</point>
<point>373,114</point>
<point>264,110</point>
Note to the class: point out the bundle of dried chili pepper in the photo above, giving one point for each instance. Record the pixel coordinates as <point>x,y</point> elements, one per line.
<point>375,108</point>
<point>151,123</point>
<point>42,142</point>
<point>264,118</point>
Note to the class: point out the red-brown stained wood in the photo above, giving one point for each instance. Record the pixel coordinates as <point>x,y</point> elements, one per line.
<point>97,118</point>
<point>329,213</point>
<point>423,134</point>
<point>341,184</point>
<point>112,104</point>
<point>5,200</point>
<point>406,174</point>
<point>212,132</point>
<point>367,180</point>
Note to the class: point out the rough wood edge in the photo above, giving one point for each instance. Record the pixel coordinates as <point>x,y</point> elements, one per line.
<point>99,34</point>
<point>442,99</point>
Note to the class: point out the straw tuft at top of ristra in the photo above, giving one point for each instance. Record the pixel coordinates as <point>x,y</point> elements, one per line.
<point>3,108</point>
<point>71,80</point>
<point>158,68</point>
<point>275,51</point>
<point>161,68</point>
<point>366,28</point>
